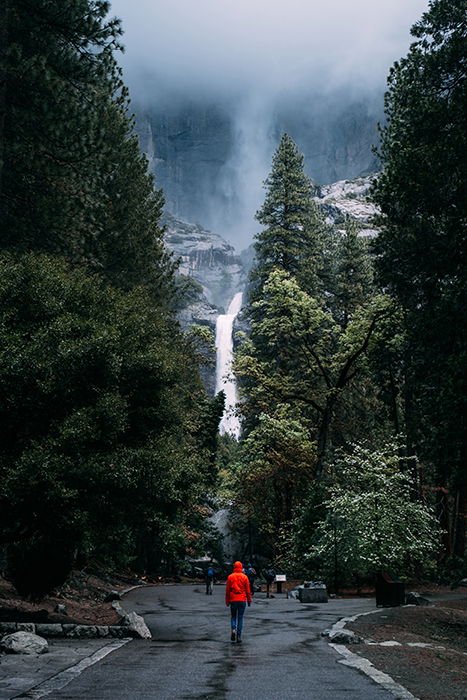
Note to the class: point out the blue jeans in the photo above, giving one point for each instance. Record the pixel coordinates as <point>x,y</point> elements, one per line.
<point>237,610</point>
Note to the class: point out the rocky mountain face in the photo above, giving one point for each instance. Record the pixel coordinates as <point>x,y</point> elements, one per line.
<point>211,262</point>
<point>349,198</point>
<point>210,159</point>
<point>187,147</point>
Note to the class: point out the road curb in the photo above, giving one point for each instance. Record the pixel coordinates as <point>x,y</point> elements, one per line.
<point>365,666</point>
<point>72,630</point>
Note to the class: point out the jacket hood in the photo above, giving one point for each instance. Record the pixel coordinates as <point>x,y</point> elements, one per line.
<point>238,566</point>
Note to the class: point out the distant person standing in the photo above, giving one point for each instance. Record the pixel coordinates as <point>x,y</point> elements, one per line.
<point>237,596</point>
<point>210,573</point>
<point>251,574</point>
<point>269,577</point>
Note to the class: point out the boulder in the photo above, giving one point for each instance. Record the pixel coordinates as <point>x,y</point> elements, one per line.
<point>135,625</point>
<point>24,643</point>
<point>113,595</point>
<point>313,592</point>
<point>60,608</point>
<point>416,599</point>
<point>344,637</point>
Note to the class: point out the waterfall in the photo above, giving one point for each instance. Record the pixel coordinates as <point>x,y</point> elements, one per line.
<point>225,381</point>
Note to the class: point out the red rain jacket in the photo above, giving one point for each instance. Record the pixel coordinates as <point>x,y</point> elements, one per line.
<point>238,586</point>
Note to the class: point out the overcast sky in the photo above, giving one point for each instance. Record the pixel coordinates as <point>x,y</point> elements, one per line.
<point>238,45</point>
<point>250,56</point>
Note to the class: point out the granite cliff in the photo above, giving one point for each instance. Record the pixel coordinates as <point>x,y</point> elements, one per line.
<point>210,159</point>
<point>349,198</point>
<point>211,262</point>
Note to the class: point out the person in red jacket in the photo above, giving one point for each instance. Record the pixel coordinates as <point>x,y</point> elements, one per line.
<point>237,595</point>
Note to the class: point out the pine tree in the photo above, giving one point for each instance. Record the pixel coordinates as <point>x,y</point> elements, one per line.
<point>59,70</point>
<point>74,181</point>
<point>421,249</point>
<point>352,281</point>
<point>292,238</point>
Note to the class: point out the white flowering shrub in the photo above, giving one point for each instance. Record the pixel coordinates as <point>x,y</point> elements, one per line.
<point>375,519</point>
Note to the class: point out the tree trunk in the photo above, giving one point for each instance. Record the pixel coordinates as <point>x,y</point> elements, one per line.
<point>4,10</point>
<point>460,516</point>
<point>323,435</point>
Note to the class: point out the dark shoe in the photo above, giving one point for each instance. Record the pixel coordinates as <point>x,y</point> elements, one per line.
<point>233,636</point>
<point>239,640</point>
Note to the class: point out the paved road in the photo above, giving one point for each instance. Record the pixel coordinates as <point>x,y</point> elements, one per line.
<point>191,656</point>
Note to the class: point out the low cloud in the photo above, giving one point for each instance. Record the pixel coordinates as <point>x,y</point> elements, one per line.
<point>227,47</point>
<point>305,65</point>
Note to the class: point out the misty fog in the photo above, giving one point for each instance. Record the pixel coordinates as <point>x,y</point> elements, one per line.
<point>258,67</point>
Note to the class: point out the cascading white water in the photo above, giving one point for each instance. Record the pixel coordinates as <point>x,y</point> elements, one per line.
<point>225,381</point>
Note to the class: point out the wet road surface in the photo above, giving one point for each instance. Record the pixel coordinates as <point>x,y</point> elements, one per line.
<point>191,656</point>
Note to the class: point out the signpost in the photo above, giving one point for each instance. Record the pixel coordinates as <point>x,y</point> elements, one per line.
<point>279,579</point>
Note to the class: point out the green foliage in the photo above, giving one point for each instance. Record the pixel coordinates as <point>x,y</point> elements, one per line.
<point>74,181</point>
<point>292,239</point>
<point>103,414</point>
<point>276,463</point>
<point>189,291</point>
<point>423,197</point>
<point>352,283</point>
<point>314,318</point>
<point>109,436</point>
<point>298,354</point>
<point>373,521</point>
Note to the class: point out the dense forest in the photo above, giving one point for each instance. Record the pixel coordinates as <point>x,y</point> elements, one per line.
<point>351,364</point>
<point>353,369</point>
<point>108,436</point>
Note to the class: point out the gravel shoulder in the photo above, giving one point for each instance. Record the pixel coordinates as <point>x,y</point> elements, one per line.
<point>437,671</point>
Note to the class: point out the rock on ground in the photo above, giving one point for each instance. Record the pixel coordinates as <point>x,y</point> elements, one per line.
<point>344,637</point>
<point>24,643</point>
<point>136,626</point>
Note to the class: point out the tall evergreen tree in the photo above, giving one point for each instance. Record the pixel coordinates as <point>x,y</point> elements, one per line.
<point>292,237</point>
<point>314,315</point>
<point>422,192</point>
<point>351,285</point>
<point>74,182</point>
<point>106,428</point>
<point>105,416</point>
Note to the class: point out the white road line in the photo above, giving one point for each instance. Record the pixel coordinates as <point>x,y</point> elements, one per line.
<point>64,677</point>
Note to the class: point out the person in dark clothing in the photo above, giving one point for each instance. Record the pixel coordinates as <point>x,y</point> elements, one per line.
<point>269,576</point>
<point>210,579</point>
<point>251,574</point>
<point>237,596</point>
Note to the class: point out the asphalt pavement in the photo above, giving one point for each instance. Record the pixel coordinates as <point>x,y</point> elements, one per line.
<point>190,656</point>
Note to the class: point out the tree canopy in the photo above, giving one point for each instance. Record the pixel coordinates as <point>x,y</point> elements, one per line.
<point>110,438</point>
<point>422,193</point>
